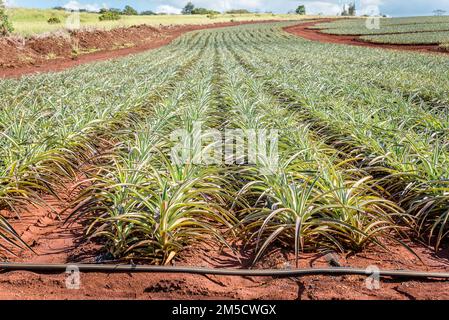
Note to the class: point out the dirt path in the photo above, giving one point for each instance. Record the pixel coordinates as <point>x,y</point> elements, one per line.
<point>28,285</point>
<point>18,65</point>
<point>303,30</point>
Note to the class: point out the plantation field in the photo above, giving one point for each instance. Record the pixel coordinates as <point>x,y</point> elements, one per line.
<point>29,22</point>
<point>363,145</point>
<point>418,30</point>
<point>411,38</point>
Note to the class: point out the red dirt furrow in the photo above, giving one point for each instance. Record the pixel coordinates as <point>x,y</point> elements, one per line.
<point>304,30</point>
<point>28,285</point>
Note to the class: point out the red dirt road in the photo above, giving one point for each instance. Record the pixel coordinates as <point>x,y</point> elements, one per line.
<point>303,30</point>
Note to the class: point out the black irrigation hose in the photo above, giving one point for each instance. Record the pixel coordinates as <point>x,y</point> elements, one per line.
<point>61,268</point>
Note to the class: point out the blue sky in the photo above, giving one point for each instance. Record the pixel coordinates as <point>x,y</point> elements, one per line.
<point>390,7</point>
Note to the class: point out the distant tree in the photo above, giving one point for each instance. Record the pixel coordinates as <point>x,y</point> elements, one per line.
<point>5,25</point>
<point>148,13</point>
<point>301,10</point>
<point>116,10</point>
<point>188,8</point>
<point>59,8</point>
<point>204,11</point>
<point>439,12</point>
<point>129,11</point>
<point>238,11</point>
<point>351,9</point>
<point>109,15</point>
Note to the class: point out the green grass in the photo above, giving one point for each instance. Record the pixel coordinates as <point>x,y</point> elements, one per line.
<point>28,22</point>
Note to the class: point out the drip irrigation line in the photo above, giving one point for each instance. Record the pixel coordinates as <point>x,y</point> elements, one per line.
<point>103,268</point>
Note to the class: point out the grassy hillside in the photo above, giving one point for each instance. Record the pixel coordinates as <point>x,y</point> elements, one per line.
<point>34,21</point>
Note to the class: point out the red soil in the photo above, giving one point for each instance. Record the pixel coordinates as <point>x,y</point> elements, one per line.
<point>54,241</point>
<point>55,53</point>
<point>303,30</point>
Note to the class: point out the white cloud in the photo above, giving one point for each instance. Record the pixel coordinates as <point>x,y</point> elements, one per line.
<point>10,3</point>
<point>366,3</point>
<point>369,7</point>
<point>168,9</point>
<point>224,5</point>
<point>75,5</point>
